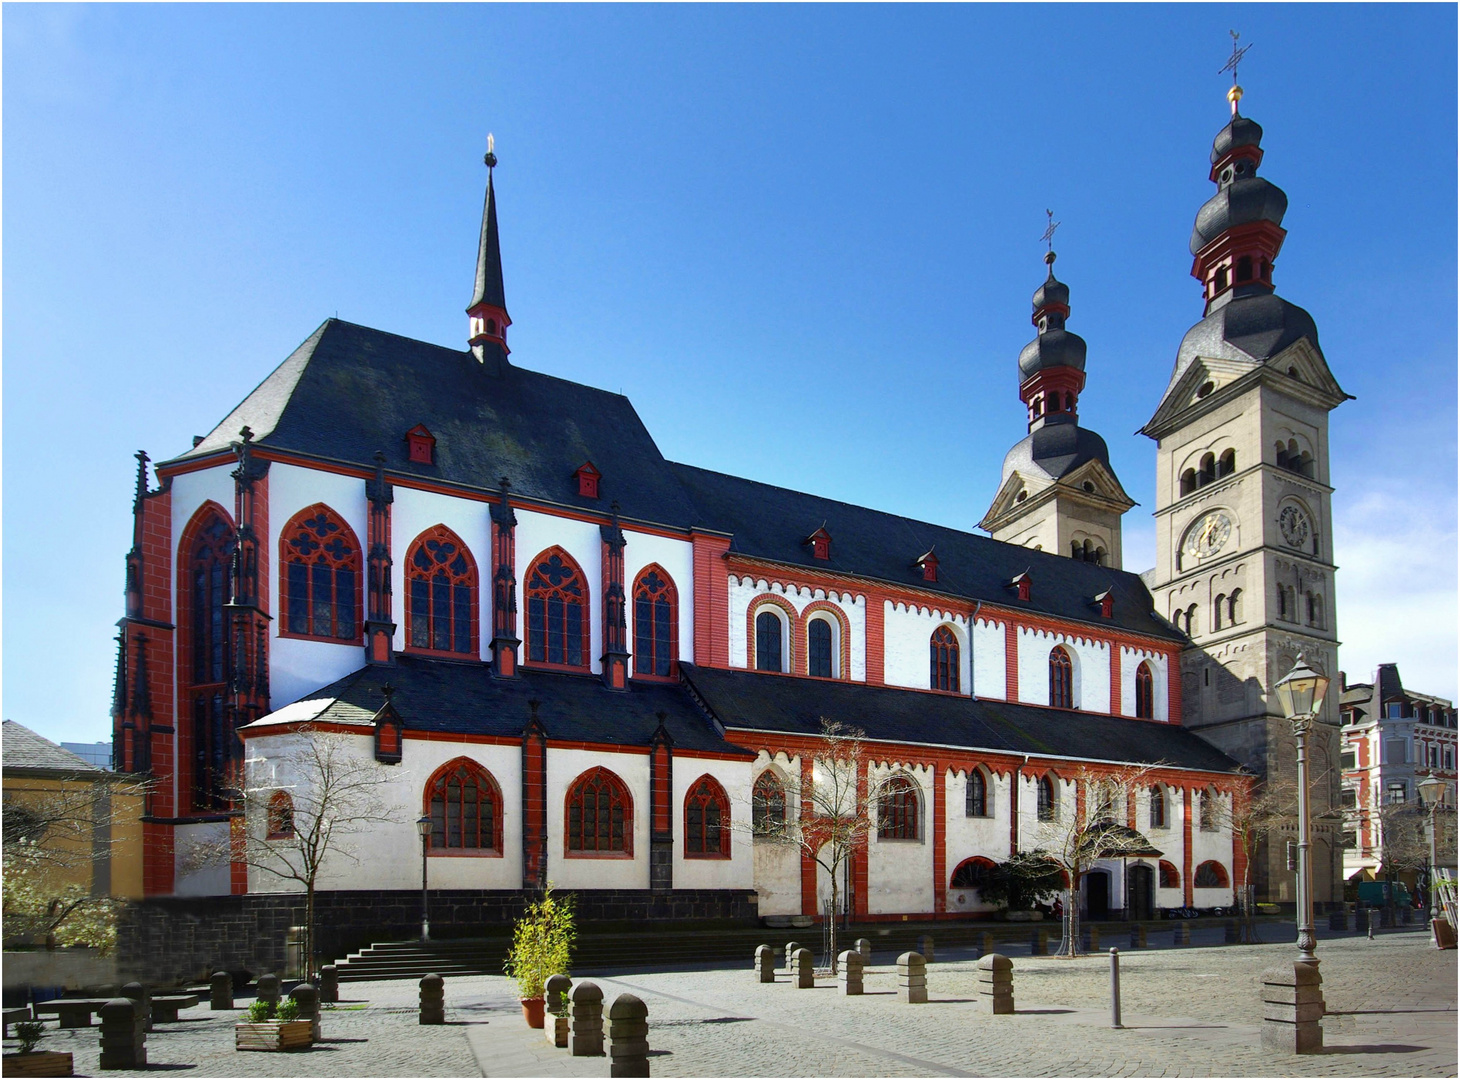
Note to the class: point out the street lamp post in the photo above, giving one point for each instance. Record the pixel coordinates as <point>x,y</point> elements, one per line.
<point>424,824</point>
<point>1432,793</point>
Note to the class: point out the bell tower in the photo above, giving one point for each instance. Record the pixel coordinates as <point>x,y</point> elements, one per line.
<point>1244,525</point>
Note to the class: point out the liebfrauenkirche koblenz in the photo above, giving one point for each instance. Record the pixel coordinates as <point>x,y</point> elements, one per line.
<point>583,663</point>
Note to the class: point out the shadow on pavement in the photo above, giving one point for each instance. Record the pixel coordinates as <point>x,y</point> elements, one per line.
<point>1376,1048</point>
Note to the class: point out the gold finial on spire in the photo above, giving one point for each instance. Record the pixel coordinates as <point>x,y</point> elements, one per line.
<point>491,158</point>
<point>1234,95</point>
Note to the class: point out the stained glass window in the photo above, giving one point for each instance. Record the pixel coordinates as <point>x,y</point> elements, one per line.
<point>466,808</point>
<point>557,611</point>
<point>943,660</point>
<point>707,820</point>
<point>321,577</point>
<point>600,814</point>
<point>441,582</point>
<point>655,623</point>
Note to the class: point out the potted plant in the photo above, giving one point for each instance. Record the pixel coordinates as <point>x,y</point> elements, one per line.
<point>542,944</point>
<point>32,1062</point>
<point>273,1026</point>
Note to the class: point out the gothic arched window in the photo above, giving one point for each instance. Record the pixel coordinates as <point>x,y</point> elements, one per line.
<point>600,815</point>
<point>441,589</point>
<point>1168,876</point>
<point>557,611</point>
<point>943,659</point>
<point>1046,799</point>
<point>1158,807</point>
<point>706,820</point>
<point>897,810</point>
<point>768,648</point>
<point>972,874</point>
<point>1210,875</point>
<point>976,795</point>
<point>767,804</point>
<point>819,646</point>
<point>321,577</point>
<point>465,806</point>
<point>656,623</point>
<point>1145,692</point>
<point>1061,679</point>
<point>281,816</point>
<point>205,587</point>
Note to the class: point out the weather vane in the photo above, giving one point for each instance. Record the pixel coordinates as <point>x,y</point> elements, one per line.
<point>491,158</point>
<point>1048,236</point>
<point>1235,58</point>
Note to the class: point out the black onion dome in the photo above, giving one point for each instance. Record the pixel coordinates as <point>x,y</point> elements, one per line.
<point>1240,132</point>
<point>1247,328</point>
<point>1240,202</point>
<point>1053,348</point>
<point>1052,291</point>
<point>1056,448</point>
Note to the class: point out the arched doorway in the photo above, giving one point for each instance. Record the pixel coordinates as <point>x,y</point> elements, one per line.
<point>1141,892</point>
<point>1097,895</point>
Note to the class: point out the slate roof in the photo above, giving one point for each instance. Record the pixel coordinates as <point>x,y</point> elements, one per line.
<point>21,749</point>
<point>770,522</point>
<point>1056,448</point>
<point>467,699</point>
<point>759,702</point>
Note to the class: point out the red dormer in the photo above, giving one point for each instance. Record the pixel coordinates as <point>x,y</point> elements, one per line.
<point>820,542</point>
<point>422,445</point>
<point>587,476</point>
<point>1106,600</point>
<point>1023,583</point>
<point>928,564</point>
<point>388,729</point>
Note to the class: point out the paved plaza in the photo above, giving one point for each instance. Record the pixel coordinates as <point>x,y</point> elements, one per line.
<point>1188,1012</point>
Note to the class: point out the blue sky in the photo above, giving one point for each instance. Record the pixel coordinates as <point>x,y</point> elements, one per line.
<point>801,239</point>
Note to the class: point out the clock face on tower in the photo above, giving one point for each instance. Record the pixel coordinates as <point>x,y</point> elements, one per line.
<point>1207,536</point>
<point>1294,525</point>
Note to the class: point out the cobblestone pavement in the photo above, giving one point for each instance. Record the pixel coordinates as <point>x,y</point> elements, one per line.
<point>1188,1012</point>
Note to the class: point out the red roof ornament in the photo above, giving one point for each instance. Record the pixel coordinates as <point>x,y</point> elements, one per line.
<point>1023,583</point>
<point>587,476</point>
<point>928,564</point>
<point>820,542</point>
<point>422,445</point>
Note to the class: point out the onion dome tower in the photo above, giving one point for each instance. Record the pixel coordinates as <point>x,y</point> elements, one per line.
<point>1058,492</point>
<point>487,313</point>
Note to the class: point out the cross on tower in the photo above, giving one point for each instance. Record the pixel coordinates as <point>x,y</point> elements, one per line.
<point>1235,58</point>
<point>1048,236</point>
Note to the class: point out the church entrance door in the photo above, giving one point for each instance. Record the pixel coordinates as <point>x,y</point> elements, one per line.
<point>1097,895</point>
<point>1142,902</point>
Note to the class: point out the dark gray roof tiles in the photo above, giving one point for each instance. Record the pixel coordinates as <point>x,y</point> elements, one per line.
<point>21,748</point>
<point>1056,448</point>
<point>1248,329</point>
<point>782,703</point>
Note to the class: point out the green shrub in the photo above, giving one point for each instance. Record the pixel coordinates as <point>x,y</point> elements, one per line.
<point>542,944</point>
<point>288,1009</point>
<point>260,1011</point>
<point>29,1033</point>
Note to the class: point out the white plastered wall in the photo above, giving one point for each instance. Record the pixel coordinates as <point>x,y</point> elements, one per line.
<point>413,512</point>
<point>738,871</point>
<point>198,869</point>
<point>907,631</point>
<point>966,837</point>
<point>1214,845</point>
<point>744,591</point>
<point>677,559</point>
<point>990,645</point>
<point>1033,832</point>
<point>900,872</point>
<point>1091,674</point>
<point>1130,660</point>
<point>777,867</point>
<point>296,666</point>
<point>565,766</point>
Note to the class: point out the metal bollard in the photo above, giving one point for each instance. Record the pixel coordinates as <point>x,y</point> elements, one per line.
<point>329,984</point>
<point>1371,924</point>
<point>123,1043</point>
<point>765,964</point>
<point>1115,988</point>
<point>628,1037</point>
<point>220,991</point>
<point>306,996</point>
<point>586,1037</point>
<point>432,999</point>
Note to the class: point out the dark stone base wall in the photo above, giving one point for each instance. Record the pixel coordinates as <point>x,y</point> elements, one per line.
<point>165,940</point>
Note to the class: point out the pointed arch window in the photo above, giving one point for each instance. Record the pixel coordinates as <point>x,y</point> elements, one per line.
<point>1046,799</point>
<point>557,611</point>
<point>706,820</point>
<point>465,806</point>
<point>281,816</point>
<point>441,585</point>
<point>1145,692</point>
<point>768,804</point>
<point>600,816</point>
<point>321,578</point>
<point>943,660</point>
<point>976,795</point>
<point>1061,679</point>
<point>656,623</point>
<point>897,810</point>
<point>206,586</point>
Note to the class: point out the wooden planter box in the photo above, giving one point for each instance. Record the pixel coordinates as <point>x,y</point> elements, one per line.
<point>556,1030</point>
<point>37,1063</point>
<point>272,1035</point>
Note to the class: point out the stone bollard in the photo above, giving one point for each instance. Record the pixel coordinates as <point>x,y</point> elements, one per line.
<point>123,1043</point>
<point>628,1037</point>
<point>804,970</point>
<point>925,947</point>
<point>912,978</point>
<point>586,1037</point>
<point>143,997</point>
<point>996,984</point>
<point>1093,932</point>
<point>1137,937</point>
<point>1039,943</point>
<point>267,989</point>
<point>432,999</point>
<point>1229,932</point>
<point>1292,1006</point>
<point>864,946</point>
<point>329,984</point>
<point>220,991</point>
<point>765,964</point>
<point>851,972</point>
<point>985,943</point>
<point>306,996</point>
<point>555,1004</point>
<point>791,947</point>
<point>1181,935</point>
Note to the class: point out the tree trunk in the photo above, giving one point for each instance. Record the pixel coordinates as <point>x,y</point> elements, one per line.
<point>308,930</point>
<point>834,896</point>
<point>1072,918</point>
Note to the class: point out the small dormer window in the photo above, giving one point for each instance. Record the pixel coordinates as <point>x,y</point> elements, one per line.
<point>1022,584</point>
<point>587,477</point>
<point>1106,600</point>
<point>928,564</point>
<point>422,445</point>
<point>820,542</point>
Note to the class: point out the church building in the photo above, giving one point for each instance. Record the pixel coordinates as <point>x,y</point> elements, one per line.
<point>586,664</point>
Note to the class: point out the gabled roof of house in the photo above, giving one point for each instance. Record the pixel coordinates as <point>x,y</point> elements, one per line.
<point>21,749</point>
<point>744,700</point>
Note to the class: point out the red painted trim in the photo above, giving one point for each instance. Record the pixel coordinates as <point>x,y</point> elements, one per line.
<point>752,612</point>
<point>186,751</point>
<point>528,592</point>
<point>633,621</point>
<point>1186,845</point>
<point>844,638</point>
<point>1011,661</point>
<point>940,837</point>
<point>1115,687</point>
<point>809,865</point>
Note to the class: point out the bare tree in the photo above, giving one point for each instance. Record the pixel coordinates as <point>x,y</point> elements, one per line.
<point>305,808</point>
<point>1074,838</point>
<point>1254,814</point>
<point>834,809</point>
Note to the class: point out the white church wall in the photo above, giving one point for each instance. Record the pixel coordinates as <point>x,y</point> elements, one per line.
<point>1034,833</point>
<point>195,872</point>
<point>677,559</point>
<point>413,512</point>
<point>777,867</point>
<point>1130,660</point>
<point>1212,845</point>
<point>900,872</point>
<point>966,837</point>
<point>536,533</point>
<point>420,759</point>
<point>990,643</point>
<point>1090,663</point>
<point>736,872</point>
<point>297,666</point>
<point>614,872</point>
<point>744,591</point>
<point>907,632</point>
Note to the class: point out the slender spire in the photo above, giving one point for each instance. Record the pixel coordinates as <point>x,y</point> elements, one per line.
<point>487,313</point>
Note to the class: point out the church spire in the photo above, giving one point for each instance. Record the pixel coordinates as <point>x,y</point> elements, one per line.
<point>1052,366</point>
<point>487,314</point>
